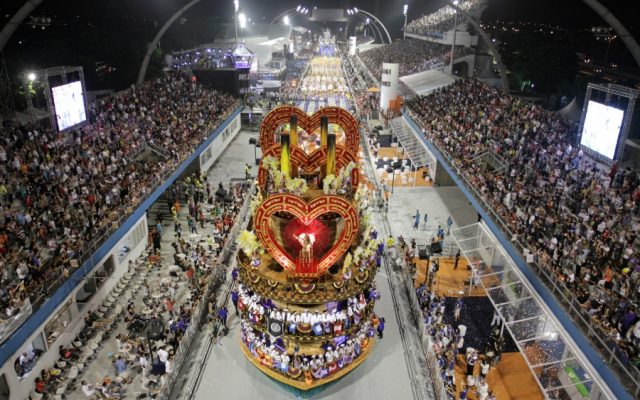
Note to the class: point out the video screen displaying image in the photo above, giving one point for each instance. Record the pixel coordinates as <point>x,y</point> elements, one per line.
<point>602,128</point>
<point>69,105</point>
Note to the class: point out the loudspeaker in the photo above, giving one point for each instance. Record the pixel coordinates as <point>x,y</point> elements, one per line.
<point>423,253</point>
<point>436,248</point>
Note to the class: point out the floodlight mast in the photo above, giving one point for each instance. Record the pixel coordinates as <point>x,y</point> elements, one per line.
<point>455,31</point>
<point>405,9</point>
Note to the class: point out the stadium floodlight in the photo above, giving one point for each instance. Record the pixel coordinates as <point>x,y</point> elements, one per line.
<point>286,20</point>
<point>31,76</point>
<point>242,19</point>
<point>367,21</point>
<point>298,8</point>
<point>236,5</point>
<point>455,31</point>
<point>355,9</point>
<point>405,8</point>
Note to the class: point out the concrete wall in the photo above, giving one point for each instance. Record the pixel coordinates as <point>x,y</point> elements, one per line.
<point>219,144</point>
<point>441,176</point>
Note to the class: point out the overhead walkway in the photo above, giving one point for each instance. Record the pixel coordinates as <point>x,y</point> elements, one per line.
<point>555,362</point>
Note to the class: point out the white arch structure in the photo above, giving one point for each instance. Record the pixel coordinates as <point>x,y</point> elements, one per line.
<point>156,39</point>
<point>487,40</point>
<point>617,26</point>
<point>16,20</point>
<point>368,14</point>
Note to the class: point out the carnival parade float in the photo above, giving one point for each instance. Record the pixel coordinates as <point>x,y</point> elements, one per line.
<point>310,254</point>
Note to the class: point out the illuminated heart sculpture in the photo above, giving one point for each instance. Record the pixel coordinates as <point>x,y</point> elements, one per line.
<point>307,213</point>
<point>336,115</point>
<point>309,162</point>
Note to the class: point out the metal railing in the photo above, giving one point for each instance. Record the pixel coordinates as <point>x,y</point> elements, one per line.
<point>9,326</point>
<point>425,338</point>
<point>629,374</point>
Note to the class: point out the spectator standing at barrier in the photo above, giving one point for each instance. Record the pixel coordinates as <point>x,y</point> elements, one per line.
<point>457,309</point>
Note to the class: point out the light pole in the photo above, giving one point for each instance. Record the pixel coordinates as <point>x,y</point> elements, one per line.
<point>30,83</point>
<point>455,30</point>
<point>236,6</point>
<point>405,8</point>
<point>243,22</point>
<point>392,170</point>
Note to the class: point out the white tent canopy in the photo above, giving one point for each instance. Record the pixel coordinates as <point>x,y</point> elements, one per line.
<point>571,112</point>
<point>423,83</point>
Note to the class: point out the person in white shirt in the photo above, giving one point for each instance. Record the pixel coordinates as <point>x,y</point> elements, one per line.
<point>163,355</point>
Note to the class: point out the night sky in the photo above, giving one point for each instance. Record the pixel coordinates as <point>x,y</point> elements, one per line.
<point>567,12</point>
<point>114,31</point>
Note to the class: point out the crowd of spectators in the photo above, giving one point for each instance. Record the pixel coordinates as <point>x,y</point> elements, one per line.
<point>413,55</point>
<point>208,58</point>
<point>443,19</point>
<point>61,191</point>
<point>574,218</point>
<point>366,102</point>
<point>162,296</point>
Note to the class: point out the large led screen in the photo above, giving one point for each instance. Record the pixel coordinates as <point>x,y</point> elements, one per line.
<point>69,105</point>
<point>602,128</point>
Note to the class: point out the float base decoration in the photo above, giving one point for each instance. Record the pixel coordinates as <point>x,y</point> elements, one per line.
<point>309,256</point>
<point>302,385</point>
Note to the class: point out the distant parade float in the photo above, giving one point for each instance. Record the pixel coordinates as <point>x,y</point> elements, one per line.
<point>310,254</point>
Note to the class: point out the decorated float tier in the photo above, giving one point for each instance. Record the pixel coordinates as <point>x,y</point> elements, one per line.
<point>308,327</point>
<point>307,366</point>
<point>309,256</point>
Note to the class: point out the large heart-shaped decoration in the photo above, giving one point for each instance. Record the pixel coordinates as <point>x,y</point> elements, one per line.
<point>307,214</point>
<point>336,115</point>
<point>309,162</point>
